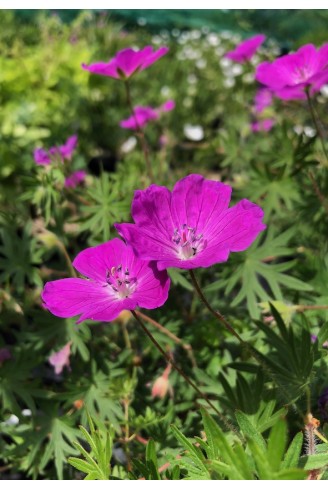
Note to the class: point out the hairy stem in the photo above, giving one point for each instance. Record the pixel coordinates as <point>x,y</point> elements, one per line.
<point>184,376</point>
<point>171,335</point>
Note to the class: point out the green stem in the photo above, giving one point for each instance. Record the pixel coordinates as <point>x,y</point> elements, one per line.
<point>185,377</point>
<point>248,347</point>
<point>316,123</point>
<point>139,132</point>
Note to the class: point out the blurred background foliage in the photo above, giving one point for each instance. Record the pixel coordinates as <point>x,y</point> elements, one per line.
<point>275,292</point>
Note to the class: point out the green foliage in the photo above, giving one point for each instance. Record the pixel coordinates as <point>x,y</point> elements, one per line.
<point>274,294</point>
<point>97,462</point>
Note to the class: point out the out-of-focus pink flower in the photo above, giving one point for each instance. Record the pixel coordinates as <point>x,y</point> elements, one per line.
<point>289,75</point>
<point>75,178</point>
<point>192,226</point>
<point>5,355</point>
<point>168,106</point>
<point>64,152</point>
<point>60,359</point>
<point>163,140</point>
<point>118,281</point>
<point>246,49</point>
<point>143,114</point>
<point>262,100</point>
<point>67,149</point>
<point>264,125</point>
<point>314,339</point>
<point>162,384</point>
<point>41,157</point>
<point>126,62</point>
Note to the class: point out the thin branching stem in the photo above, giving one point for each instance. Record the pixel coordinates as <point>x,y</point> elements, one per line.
<point>185,377</point>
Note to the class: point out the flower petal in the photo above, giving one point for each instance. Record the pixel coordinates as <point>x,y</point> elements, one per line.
<point>71,297</point>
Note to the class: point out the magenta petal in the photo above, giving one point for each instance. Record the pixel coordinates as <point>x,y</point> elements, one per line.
<point>60,359</point>
<point>71,297</point>
<point>246,49</point>
<point>68,148</point>
<point>197,201</point>
<point>41,157</point>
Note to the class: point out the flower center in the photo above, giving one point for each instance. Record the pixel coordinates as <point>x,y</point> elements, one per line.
<point>302,74</point>
<point>187,242</point>
<point>120,281</point>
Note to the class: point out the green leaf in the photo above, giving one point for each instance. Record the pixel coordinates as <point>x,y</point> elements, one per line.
<point>277,443</point>
<point>293,453</point>
<point>249,430</point>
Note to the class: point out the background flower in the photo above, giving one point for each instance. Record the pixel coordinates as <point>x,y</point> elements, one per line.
<point>246,49</point>
<point>126,62</point>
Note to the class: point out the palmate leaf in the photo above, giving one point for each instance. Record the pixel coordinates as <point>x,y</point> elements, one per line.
<point>107,205</point>
<point>19,256</point>
<point>261,280</point>
<point>96,462</point>
<point>49,439</point>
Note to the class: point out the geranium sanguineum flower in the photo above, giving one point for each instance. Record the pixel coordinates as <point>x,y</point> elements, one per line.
<point>118,281</point>
<point>289,75</point>
<point>75,178</point>
<point>192,226</point>
<point>264,125</point>
<point>64,152</point>
<point>126,62</point>
<point>246,49</point>
<point>143,114</point>
<point>262,100</point>
<point>60,359</point>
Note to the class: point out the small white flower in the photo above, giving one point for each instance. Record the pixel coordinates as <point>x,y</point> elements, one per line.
<point>192,79</point>
<point>193,132</point>
<point>129,144</point>
<point>229,82</point>
<point>27,412</point>
<point>309,132</point>
<point>12,420</point>
<point>236,70</point>
<point>213,39</point>
<point>201,64</point>
<point>324,90</point>
<point>165,91</point>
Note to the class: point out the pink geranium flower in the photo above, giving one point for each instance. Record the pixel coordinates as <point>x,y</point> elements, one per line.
<point>162,384</point>
<point>126,62</point>
<point>75,178</point>
<point>192,226</point>
<point>262,100</point>
<point>264,125</point>
<point>289,75</point>
<point>246,49</point>
<point>143,114</point>
<point>118,281</point>
<point>65,152</point>
<point>60,359</point>
<point>41,156</point>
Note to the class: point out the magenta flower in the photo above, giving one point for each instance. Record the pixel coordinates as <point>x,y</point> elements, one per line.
<point>41,157</point>
<point>67,149</point>
<point>262,100</point>
<point>143,114</point>
<point>192,226</point>
<point>75,178</point>
<point>65,152</point>
<point>168,106</point>
<point>60,359</point>
<point>289,75</point>
<point>264,125</point>
<point>126,62</point>
<point>246,49</point>
<point>118,281</point>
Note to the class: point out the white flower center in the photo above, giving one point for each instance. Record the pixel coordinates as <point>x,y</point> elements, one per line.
<point>120,282</point>
<point>187,242</point>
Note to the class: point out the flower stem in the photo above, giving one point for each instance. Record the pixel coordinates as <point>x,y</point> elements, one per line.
<point>248,347</point>
<point>62,248</point>
<point>318,192</point>
<point>316,123</point>
<point>217,314</point>
<point>139,133</point>
<point>171,335</point>
<point>185,377</point>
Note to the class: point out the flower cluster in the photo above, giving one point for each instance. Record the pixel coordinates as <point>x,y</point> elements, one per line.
<point>190,227</point>
<point>63,152</point>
